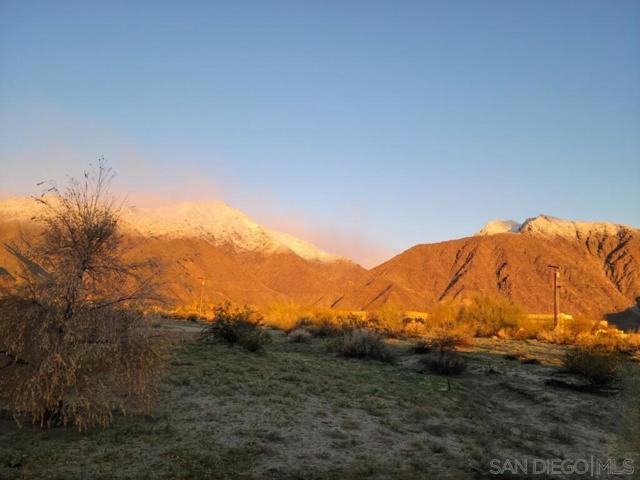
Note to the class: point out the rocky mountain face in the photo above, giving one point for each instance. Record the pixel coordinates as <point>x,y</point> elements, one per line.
<point>599,268</point>
<point>242,261</point>
<point>211,242</point>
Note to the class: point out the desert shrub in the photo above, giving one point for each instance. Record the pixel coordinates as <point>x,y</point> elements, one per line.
<point>325,323</point>
<point>578,326</point>
<point>414,327</point>
<point>254,340</point>
<point>443,364</point>
<point>600,366</point>
<point>447,328</point>
<point>528,328</point>
<point>421,347</point>
<point>602,339</point>
<point>299,335</point>
<point>581,331</point>
<point>325,327</point>
<point>362,343</point>
<point>491,314</point>
<point>321,326</point>
<point>285,316</point>
<point>303,322</point>
<point>235,326</point>
<point>600,336</point>
<point>558,337</point>
<point>387,320</point>
<point>446,331</point>
<point>74,345</point>
<point>351,322</point>
<point>447,342</point>
<point>631,343</point>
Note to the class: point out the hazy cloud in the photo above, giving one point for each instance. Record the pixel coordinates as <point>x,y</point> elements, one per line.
<point>66,148</point>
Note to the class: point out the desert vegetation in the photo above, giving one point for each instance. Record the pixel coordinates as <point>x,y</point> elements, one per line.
<point>241,326</point>
<point>362,343</point>
<point>597,364</point>
<point>348,240</point>
<point>481,317</point>
<point>74,343</point>
<point>299,335</point>
<point>332,394</point>
<point>302,409</point>
<point>443,363</point>
<point>446,332</point>
<point>492,315</point>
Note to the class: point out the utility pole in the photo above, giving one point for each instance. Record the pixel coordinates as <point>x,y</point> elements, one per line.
<point>201,297</point>
<point>556,294</point>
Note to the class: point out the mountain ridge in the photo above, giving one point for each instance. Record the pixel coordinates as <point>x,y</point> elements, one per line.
<point>244,262</point>
<point>208,249</point>
<point>599,267</point>
<point>213,220</point>
<point>553,226</point>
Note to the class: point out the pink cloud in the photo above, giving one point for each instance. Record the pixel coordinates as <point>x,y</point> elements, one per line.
<point>352,245</point>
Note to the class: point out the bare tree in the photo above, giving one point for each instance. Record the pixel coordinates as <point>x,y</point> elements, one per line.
<point>74,341</point>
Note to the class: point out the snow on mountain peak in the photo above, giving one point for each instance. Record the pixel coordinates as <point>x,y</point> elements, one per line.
<point>549,226</point>
<point>213,221</point>
<point>220,223</point>
<point>553,226</point>
<point>499,226</point>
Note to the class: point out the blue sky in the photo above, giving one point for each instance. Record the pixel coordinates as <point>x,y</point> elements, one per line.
<point>365,126</point>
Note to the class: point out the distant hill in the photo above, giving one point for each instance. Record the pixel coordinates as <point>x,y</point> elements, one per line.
<point>599,265</point>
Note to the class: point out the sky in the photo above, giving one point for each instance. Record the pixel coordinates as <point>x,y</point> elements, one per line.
<point>363,126</point>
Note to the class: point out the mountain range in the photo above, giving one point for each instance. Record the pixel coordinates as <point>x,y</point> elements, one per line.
<point>599,268</point>
<point>214,250</point>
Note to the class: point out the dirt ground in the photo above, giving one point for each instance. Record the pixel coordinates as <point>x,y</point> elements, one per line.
<point>296,411</point>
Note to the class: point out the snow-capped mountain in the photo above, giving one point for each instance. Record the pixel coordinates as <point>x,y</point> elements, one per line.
<point>570,229</point>
<point>599,266</point>
<point>546,225</point>
<point>212,252</point>
<point>219,223</point>
<point>213,221</point>
<point>499,226</point>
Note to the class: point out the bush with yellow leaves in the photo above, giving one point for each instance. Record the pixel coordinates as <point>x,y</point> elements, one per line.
<point>74,345</point>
